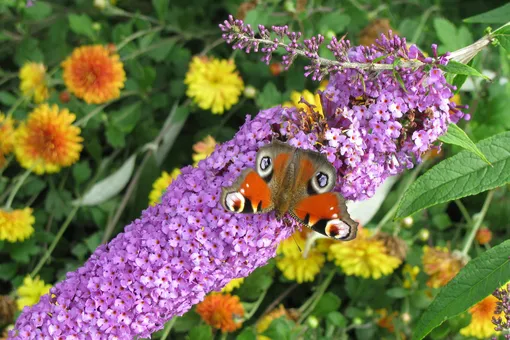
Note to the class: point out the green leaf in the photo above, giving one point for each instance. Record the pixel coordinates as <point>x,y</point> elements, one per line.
<point>441,221</point>
<point>8,270</point>
<point>446,32</point>
<point>161,8</point>
<point>110,186</point>
<point>334,21</point>
<point>337,319</point>
<point>458,81</point>
<point>247,333</point>
<point>21,251</point>
<point>456,136</point>
<point>459,68</point>
<point>201,332</point>
<point>80,251</point>
<point>127,117</point>
<point>81,171</point>
<point>7,98</point>
<point>503,36</point>
<point>28,50</point>
<point>93,241</point>
<point>269,96</point>
<point>327,303</point>
<point>462,175</point>
<point>257,16</point>
<point>498,15</point>
<point>279,329</point>
<point>477,280</point>
<point>397,293</point>
<point>38,11</point>
<point>57,203</point>
<point>115,136</point>
<point>82,25</point>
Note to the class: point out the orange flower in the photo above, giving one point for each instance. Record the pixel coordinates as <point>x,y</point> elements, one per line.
<point>221,311</point>
<point>481,325</point>
<point>440,265</point>
<point>6,137</point>
<point>94,74</point>
<point>483,235</point>
<point>386,320</point>
<point>47,141</point>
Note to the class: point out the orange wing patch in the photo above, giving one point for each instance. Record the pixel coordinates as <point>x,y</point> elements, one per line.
<point>256,190</point>
<point>318,207</point>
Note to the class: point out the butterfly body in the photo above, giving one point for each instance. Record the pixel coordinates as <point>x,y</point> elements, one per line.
<point>294,181</point>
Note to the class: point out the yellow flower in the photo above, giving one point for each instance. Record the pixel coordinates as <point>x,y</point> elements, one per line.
<point>33,82</point>
<point>6,137</point>
<point>309,97</point>
<point>31,291</point>
<point>265,321</point>
<point>213,84</point>
<point>410,273</point>
<point>16,225</point>
<point>292,262</point>
<point>365,257</point>
<point>203,149</point>
<point>440,265</point>
<point>235,283</point>
<point>221,311</point>
<point>481,326</point>
<point>94,74</point>
<point>161,184</point>
<point>47,140</point>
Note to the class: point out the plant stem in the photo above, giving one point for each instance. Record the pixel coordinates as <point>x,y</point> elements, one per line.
<point>477,223</point>
<point>136,35</point>
<point>421,25</point>
<point>168,328</point>
<point>83,121</point>
<point>57,238</point>
<point>464,211</point>
<point>18,102</point>
<point>15,190</point>
<point>320,291</point>
<point>256,305</point>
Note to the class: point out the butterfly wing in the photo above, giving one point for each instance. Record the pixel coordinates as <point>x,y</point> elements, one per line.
<point>249,194</point>
<point>327,214</point>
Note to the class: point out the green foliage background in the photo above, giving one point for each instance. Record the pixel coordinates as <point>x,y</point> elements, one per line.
<point>158,39</point>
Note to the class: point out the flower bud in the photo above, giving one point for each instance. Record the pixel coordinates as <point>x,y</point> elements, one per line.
<point>329,35</point>
<point>406,317</point>
<point>483,235</point>
<point>276,68</point>
<point>96,26</point>
<point>407,222</point>
<point>357,321</point>
<point>250,92</point>
<point>312,321</point>
<point>424,234</point>
<point>64,97</point>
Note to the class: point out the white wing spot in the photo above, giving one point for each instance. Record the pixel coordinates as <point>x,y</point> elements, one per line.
<point>247,185</point>
<point>242,191</point>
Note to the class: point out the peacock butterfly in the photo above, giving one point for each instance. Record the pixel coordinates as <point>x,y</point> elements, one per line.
<point>295,181</point>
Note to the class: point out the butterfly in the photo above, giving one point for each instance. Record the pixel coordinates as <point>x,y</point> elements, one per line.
<point>294,181</point>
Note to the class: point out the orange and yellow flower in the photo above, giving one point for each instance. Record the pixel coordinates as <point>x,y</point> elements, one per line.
<point>294,264</point>
<point>6,137</point>
<point>481,326</point>
<point>221,311</point>
<point>309,97</point>
<point>203,149</point>
<point>364,256</point>
<point>441,265</point>
<point>47,140</point>
<point>161,184</point>
<point>94,74</point>
<point>33,81</point>
<point>213,84</point>
<point>16,225</point>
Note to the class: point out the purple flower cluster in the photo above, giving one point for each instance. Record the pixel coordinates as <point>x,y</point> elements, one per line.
<point>380,124</point>
<point>502,308</point>
<point>169,259</point>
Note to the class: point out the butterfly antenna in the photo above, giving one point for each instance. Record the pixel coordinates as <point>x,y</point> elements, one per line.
<point>297,243</point>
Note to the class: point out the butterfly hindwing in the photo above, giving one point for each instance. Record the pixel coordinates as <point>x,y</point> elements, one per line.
<point>327,214</point>
<point>249,194</point>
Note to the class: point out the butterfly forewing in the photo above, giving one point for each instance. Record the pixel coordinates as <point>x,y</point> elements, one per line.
<point>327,214</point>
